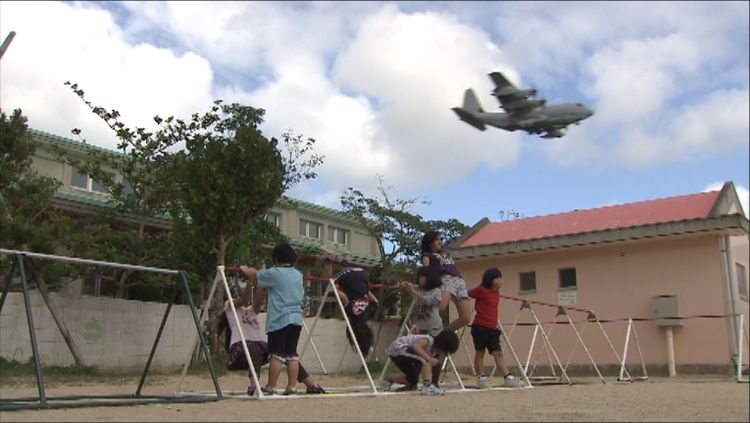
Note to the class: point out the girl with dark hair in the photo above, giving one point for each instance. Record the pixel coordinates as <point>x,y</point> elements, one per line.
<point>359,303</point>
<point>428,297</point>
<point>454,286</point>
<point>484,329</point>
<point>418,355</point>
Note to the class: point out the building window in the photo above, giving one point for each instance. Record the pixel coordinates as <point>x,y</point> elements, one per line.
<point>338,235</point>
<point>741,281</point>
<point>568,278</point>
<point>86,183</point>
<point>309,229</point>
<point>528,282</point>
<point>274,219</point>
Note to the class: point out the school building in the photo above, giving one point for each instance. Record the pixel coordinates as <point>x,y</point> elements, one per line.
<point>98,321</point>
<point>684,256</point>
<point>330,232</point>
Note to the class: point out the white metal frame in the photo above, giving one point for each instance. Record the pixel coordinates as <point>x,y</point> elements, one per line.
<point>739,350</point>
<point>547,345</point>
<point>331,287</point>
<point>403,330</point>
<point>221,277</point>
<point>631,328</point>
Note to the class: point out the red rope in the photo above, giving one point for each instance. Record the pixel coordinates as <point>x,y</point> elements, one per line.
<point>320,279</point>
<point>637,319</point>
<point>545,304</point>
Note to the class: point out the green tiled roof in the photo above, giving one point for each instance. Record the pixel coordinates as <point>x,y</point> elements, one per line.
<point>337,251</point>
<point>94,201</point>
<point>83,199</point>
<point>292,202</point>
<point>284,202</point>
<point>78,145</point>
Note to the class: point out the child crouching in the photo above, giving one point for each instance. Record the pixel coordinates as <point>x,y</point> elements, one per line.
<point>416,355</point>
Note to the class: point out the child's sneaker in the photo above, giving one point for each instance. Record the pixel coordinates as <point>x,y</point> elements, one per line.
<point>483,382</point>
<point>385,384</point>
<point>511,382</point>
<point>290,391</point>
<point>430,390</point>
<point>251,391</point>
<point>268,391</point>
<point>315,389</point>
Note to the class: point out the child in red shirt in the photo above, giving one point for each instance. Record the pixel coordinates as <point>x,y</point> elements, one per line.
<point>484,329</point>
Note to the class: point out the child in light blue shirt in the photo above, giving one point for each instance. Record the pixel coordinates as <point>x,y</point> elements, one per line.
<point>285,292</point>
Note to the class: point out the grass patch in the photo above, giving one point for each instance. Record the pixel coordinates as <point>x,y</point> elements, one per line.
<point>11,368</point>
<point>18,373</point>
<point>200,367</point>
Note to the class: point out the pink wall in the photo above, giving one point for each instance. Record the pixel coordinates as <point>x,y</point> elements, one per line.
<point>618,281</point>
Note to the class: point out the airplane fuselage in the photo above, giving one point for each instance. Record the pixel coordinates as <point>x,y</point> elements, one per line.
<point>542,117</point>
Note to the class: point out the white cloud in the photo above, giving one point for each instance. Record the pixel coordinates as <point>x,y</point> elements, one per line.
<point>644,66</point>
<point>383,106</point>
<point>715,125</point>
<point>634,78</point>
<point>57,42</point>
<point>416,66</point>
<point>374,84</point>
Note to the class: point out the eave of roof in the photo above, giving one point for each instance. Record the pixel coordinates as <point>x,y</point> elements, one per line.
<point>734,224</point>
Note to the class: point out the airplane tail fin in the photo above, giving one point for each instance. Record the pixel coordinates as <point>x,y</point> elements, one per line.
<point>470,108</point>
<point>471,103</point>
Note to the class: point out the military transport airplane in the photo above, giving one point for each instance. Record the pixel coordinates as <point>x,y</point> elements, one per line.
<point>521,111</point>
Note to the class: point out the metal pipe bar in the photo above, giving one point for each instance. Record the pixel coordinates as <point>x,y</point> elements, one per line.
<point>6,288</point>
<point>32,336</point>
<point>156,341</point>
<point>90,262</point>
<point>625,349</point>
<point>204,345</point>
<point>203,319</point>
<point>351,332</point>
<point>253,374</point>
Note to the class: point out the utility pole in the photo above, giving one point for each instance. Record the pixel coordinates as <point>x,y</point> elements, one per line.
<point>6,43</point>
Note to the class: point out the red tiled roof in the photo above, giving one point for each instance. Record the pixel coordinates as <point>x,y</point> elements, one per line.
<point>673,209</point>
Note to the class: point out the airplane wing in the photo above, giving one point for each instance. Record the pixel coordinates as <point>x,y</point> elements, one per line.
<point>513,100</point>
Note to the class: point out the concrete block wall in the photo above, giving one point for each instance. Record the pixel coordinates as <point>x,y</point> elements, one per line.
<point>331,342</point>
<point>117,335</point>
<point>112,334</point>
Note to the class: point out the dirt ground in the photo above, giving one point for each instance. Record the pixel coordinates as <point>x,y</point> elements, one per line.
<point>657,399</point>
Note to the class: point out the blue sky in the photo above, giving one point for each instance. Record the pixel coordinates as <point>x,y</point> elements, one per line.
<point>374,82</point>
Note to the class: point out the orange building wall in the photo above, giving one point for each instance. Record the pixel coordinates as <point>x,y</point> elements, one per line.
<point>617,282</point>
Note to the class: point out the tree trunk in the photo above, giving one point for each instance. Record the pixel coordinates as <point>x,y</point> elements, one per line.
<point>218,302</point>
<point>121,284</point>
<point>57,315</point>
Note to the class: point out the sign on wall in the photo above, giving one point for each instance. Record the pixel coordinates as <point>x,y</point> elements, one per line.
<point>567,298</point>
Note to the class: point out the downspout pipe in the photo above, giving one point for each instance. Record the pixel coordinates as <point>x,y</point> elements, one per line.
<point>730,289</point>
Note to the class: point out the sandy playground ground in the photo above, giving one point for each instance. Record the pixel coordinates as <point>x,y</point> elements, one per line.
<point>685,398</point>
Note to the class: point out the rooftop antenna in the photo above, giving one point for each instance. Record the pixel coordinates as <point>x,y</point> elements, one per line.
<point>6,43</point>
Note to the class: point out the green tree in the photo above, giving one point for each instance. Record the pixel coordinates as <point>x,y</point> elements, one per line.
<point>28,220</point>
<point>397,229</point>
<point>216,175</point>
